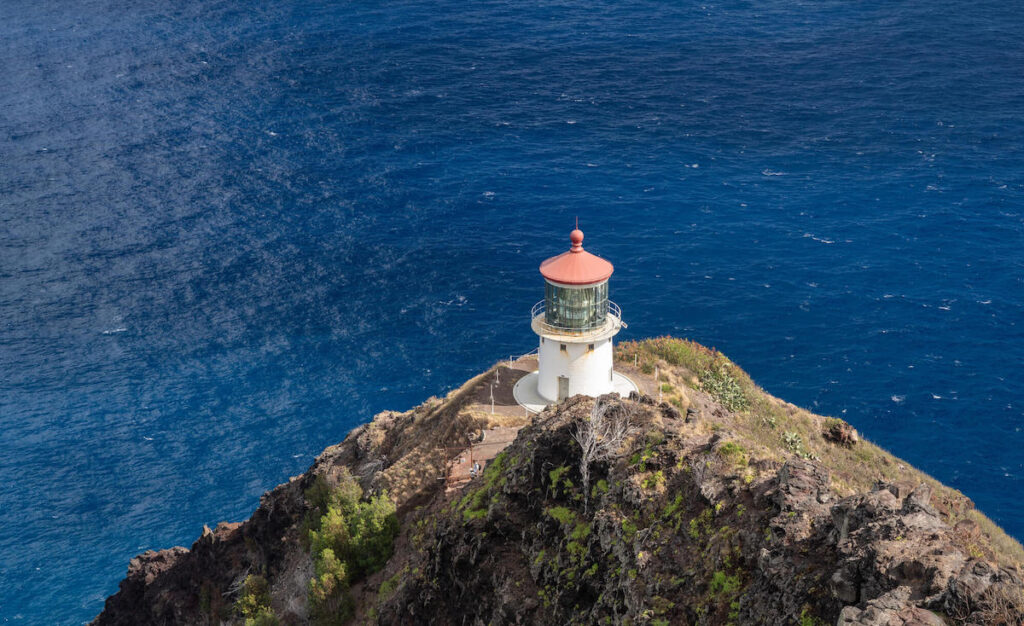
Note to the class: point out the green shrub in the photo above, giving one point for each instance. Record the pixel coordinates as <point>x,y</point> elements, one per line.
<point>388,587</point>
<point>330,581</point>
<point>562,515</point>
<point>640,459</point>
<point>333,533</point>
<point>674,509</point>
<point>266,617</point>
<point>559,480</point>
<point>721,583</point>
<point>474,504</point>
<point>653,480</point>
<point>733,452</point>
<point>795,444</point>
<point>629,528</point>
<point>351,539</point>
<point>806,619</point>
<point>833,422</point>
<point>556,474</point>
<point>373,527</point>
<point>254,603</point>
<point>700,524</point>
<point>721,383</point>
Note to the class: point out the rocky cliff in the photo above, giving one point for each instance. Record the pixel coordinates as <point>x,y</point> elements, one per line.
<point>718,505</point>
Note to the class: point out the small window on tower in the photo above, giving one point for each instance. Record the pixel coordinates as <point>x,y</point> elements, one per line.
<point>590,348</point>
<point>564,349</point>
<point>611,374</point>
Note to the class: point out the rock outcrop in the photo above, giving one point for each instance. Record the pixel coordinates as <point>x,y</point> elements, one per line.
<point>705,515</point>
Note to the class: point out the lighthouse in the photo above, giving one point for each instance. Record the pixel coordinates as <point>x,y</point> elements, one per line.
<point>575,323</point>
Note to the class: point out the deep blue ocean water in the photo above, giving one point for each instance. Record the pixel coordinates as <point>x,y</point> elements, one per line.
<point>231,231</point>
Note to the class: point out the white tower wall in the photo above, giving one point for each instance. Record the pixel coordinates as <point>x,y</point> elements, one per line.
<point>589,372</point>
<point>576,323</point>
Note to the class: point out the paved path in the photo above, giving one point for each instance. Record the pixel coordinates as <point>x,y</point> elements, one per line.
<point>480,453</point>
<point>512,379</point>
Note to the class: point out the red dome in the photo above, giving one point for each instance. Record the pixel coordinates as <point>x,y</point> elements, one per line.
<point>577,266</point>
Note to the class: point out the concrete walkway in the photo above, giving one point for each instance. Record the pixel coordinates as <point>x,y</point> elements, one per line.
<point>525,391</point>
<point>460,467</point>
<point>512,392</point>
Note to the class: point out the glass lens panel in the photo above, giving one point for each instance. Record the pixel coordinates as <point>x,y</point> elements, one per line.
<point>576,309</point>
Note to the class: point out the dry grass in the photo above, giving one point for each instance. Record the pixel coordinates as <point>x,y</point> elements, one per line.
<point>418,440</point>
<point>485,419</point>
<point>775,430</point>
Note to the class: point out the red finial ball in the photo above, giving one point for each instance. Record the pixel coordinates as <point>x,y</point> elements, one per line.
<point>576,237</point>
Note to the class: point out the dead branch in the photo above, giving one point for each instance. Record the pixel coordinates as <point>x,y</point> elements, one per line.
<point>600,436</point>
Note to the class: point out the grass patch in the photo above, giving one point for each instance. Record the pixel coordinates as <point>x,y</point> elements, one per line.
<point>629,528</point>
<point>721,583</point>
<point>562,515</point>
<point>388,587</point>
<point>581,532</point>
<point>773,430</point>
<point>732,452</point>
<point>808,619</point>
<point>688,354</point>
<point>653,480</point>
<point>718,376</point>
<point>700,525</point>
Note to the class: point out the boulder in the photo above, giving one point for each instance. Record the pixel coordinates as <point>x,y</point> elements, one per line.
<point>841,433</point>
<point>890,609</point>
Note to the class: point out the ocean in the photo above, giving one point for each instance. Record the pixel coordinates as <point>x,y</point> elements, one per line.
<point>232,231</point>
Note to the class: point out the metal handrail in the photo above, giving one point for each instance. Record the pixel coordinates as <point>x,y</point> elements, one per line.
<point>534,352</point>
<point>541,307</point>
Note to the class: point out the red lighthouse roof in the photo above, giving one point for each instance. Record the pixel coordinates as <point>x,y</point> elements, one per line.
<point>577,266</point>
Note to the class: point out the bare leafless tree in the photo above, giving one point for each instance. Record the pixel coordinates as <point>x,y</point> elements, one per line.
<point>600,436</point>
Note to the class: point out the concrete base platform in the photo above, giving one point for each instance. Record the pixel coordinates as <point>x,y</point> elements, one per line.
<point>526,395</point>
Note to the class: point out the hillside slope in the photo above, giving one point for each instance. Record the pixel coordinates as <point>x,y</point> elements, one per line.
<point>720,505</point>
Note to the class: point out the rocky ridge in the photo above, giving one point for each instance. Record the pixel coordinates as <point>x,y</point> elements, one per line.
<point>720,505</point>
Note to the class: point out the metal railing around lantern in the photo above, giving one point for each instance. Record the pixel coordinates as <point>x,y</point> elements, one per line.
<point>614,318</point>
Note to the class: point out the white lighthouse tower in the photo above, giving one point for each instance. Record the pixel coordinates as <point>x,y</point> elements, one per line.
<point>576,323</point>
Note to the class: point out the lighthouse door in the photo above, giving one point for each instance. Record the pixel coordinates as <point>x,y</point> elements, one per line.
<point>563,388</point>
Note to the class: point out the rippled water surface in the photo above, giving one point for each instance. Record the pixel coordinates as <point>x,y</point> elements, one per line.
<point>232,231</point>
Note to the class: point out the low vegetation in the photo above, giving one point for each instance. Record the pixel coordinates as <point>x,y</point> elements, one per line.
<point>600,512</point>
<point>254,602</point>
<point>599,436</point>
<point>349,538</point>
<point>775,430</point>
